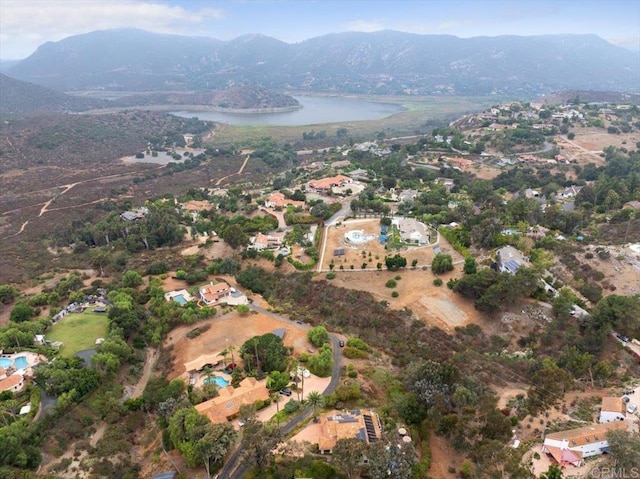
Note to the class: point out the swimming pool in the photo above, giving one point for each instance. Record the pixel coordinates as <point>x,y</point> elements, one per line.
<point>217,380</point>
<point>21,362</point>
<point>180,299</point>
<point>6,363</point>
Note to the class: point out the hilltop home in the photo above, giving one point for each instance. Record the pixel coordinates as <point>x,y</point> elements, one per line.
<point>226,406</point>
<point>212,292</point>
<point>573,446</point>
<point>509,259</point>
<point>278,200</point>
<point>261,242</point>
<point>613,409</point>
<point>360,424</point>
<point>325,184</point>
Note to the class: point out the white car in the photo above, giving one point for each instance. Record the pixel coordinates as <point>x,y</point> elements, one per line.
<point>631,408</point>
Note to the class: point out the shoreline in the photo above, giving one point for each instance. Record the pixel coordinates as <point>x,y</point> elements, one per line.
<point>170,108</point>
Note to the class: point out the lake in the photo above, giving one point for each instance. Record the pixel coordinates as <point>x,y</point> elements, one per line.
<point>315,110</point>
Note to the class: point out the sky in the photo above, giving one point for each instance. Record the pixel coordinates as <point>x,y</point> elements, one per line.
<point>26,24</point>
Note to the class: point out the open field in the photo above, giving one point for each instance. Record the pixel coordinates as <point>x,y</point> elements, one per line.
<point>420,116</point>
<point>78,331</point>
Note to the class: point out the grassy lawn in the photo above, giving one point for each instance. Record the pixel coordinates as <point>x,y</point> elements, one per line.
<point>78,331</point>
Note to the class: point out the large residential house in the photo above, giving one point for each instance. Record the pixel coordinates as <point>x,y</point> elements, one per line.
<point>573,446</point>
<point>278,200</point>
<point>226,406</point>
<point>211,293</point>
<point>461,164</point>
<point>509,259</point>
<point>325,184</point>
<point>12,383</point>
<point>360,424</point>
<point>261,242</point>
<point>613,409</point>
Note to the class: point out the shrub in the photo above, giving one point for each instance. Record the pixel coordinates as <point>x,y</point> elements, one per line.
<point>391,283</point>
<point>331,275</point>
<point>350,352</point>
<point>358,344</point>
<point>437,282</point>
<point>292,406</point>
<point>395,294</point>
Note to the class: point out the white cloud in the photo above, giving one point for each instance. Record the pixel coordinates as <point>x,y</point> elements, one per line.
<point>363,26</point>
<point>25,24</point>
<point>631,42</point>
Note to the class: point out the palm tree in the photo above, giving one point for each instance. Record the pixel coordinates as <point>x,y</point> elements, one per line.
<point>315,400</point>
<point>275,397</point>
<point>230,349</point>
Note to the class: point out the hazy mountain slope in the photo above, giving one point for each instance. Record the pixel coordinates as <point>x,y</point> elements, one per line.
<point>381,62</point>
<point>18,97</point>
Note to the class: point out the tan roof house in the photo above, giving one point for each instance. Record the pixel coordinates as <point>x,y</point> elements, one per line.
<point>573,446</point>
<point>226,406</point>
<point>325,184</point>
<point>211,293</point>
<point>278,200</point>
<point>360,424</point>
<point>12,383</point>
<point>613,409</point>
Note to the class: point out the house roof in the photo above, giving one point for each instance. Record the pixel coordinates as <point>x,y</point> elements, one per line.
<point>613,404</point>
<point>278,199</point>
<point>10,382</point>
<point>359,424</point>
<point>326,183</point>
<point>211,292</point>
<point>586,435</point>
<point>227,405</point>
<point>564,456</point>
<point>202,360</point>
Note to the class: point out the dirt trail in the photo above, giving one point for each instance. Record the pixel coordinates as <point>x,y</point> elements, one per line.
<point>149,363</point>
<point>239,172</point>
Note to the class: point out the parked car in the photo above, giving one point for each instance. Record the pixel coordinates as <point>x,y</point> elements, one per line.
<point>622,337</point>
<point>341,343</point>
<point>299,322</point>
<point>628,391</point>
<point>285,392</point>
<point>625,399</point>
<point>631,408</point>
<point>230,367</point>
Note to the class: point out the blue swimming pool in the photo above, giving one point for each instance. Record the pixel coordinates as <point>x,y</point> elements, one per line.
<point>21,362</point>
<point>217,380</point>
<point>6,363</point>
<point>180,300</point>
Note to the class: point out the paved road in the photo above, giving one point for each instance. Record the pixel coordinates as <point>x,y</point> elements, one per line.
<point>235,468</point>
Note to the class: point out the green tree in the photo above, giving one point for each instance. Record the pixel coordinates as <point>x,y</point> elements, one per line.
<point>315,400</point>
<point>21,312</point>
<point>441,263</point>
<point>243,309</point>
<point>348,455</point>
<point>8,293</point>
<point>258,442</point>
<point>470,266</point>
<point>395,262</point>
<point>277,380</point>
<point>624,447</point>
<point>235,236</point>
<point>318,336</point>
<point>131,279</point>
<point>264,353</point>
<point>554,472</point>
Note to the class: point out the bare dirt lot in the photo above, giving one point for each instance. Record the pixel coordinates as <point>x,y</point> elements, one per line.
<point>437,306</point>
<point>231,329</point>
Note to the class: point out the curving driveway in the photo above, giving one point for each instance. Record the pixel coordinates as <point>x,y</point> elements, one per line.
<point>234,468</point>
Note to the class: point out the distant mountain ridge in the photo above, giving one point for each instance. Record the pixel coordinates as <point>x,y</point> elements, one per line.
<point>382,62</point>
<point>22,98</point>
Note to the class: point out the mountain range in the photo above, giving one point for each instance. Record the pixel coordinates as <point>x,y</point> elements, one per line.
<point>386,62</point>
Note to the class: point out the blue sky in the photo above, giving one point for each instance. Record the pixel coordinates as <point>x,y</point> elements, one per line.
<point>26,24</point>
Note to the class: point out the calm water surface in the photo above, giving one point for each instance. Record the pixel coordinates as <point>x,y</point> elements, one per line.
<point>315,110</point>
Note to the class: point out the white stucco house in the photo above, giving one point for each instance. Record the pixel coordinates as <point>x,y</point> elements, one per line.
<point>571,447</point>
<point>613,409</point>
